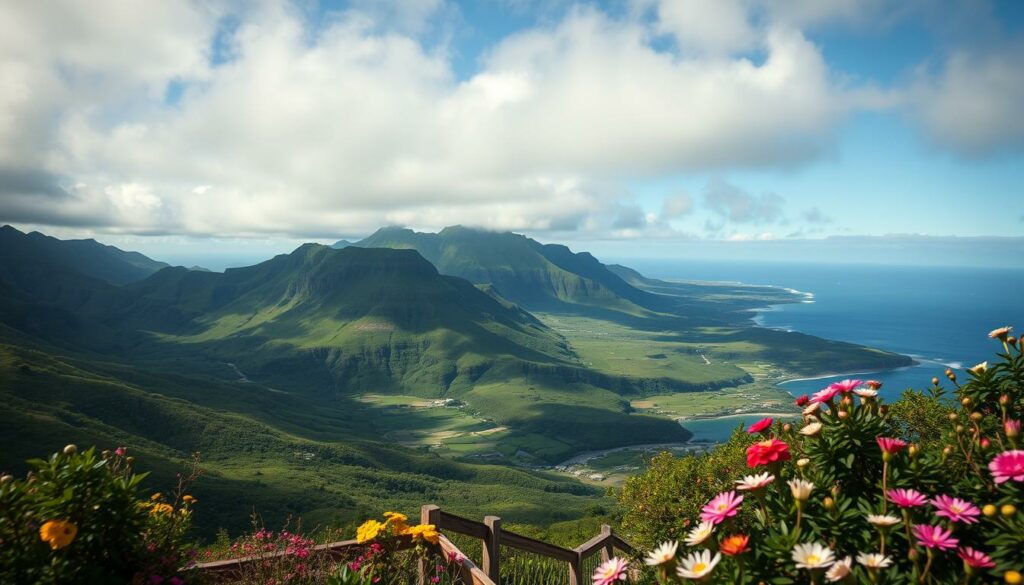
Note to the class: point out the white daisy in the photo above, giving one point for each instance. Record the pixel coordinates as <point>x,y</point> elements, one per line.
<point>665,553</point>
<point>866,392</point>
<point>883,520</point>
<point>699,533</point>
<point>697,565</point>
<point>811,429</point>
<point>812,408</point>
<point>811,555</point>
<point>874,560</point>
<point>801,489</point>
<point>754,482</point>
<point>840,570</point>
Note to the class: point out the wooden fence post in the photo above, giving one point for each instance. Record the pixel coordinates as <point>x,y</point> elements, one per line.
<point>491,547</point>
<point>429,514</point>
<point>576,571</point>
<point>606,550</point>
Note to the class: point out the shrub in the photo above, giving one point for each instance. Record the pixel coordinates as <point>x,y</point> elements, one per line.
<point>78,518</point>
<point>849,496</point>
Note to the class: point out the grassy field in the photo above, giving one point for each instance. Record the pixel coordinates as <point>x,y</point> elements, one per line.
<point>756,397</point>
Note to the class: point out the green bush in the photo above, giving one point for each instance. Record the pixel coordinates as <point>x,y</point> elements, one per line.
<point>78,518</point>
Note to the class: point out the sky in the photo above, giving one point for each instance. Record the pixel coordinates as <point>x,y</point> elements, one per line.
<point>641,128</point>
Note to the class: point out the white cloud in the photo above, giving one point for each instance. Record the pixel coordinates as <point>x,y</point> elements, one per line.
<point>354,124</point>
<point>733,204</point>
<point>676,206</point>
<point>974,105</point>
<point>707,26</point>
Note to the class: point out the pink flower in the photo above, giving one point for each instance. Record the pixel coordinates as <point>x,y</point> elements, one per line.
<point>803,400</point>
<point>975,558</point>
<point>934,537</point>
<point>610,571</point>
<point>456,557</point>
<point>906,498</point>
<point>1008,465</point>
<point>824,395</point>
<point>120,451</point>
<point>873,384</point>
<point>724,505</point>
<point>956,509</point>
<point>765,452</point>
<point>846,386</point>
<point>760,425</point>
<point>1011,427</point>
<point>891,446</point>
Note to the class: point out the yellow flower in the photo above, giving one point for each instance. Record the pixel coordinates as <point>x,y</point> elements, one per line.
<point>158,509</point>
<point>369,530</point>
<point>154,497</point>
<point>189,499</point>
<point>59,533</point>
<point>427,532</point>
<point>397,520</point>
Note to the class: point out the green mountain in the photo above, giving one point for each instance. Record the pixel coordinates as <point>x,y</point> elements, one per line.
<point>87,257</point>
<point>539,277</point>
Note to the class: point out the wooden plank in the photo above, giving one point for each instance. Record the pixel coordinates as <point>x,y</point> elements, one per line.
<point>232,566</point>
<point>470,572</point>
<point>527,544</point>
<point>460,525</point>
<point>593,545</point>
<point>491,548</point>
<point>429,514</point>
<point>622,544</point>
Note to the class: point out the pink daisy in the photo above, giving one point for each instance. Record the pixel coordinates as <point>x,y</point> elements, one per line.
<point>760,425</point>
<point>846,386</point>
<point>906,498</point>
<point>975,558</point>
<point>891,446</point>
<point>724,505</point>
<point>956,509</point>
<point>934,537</point>
<point>611,571</point>
<point>1008,465</point>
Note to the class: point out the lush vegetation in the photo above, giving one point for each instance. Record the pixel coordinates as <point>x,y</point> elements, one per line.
<point>923,492</point>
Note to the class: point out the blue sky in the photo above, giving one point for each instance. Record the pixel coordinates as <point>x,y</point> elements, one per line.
<point>635,127</point>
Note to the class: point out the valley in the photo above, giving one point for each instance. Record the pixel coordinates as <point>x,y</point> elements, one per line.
<point>459,368</point>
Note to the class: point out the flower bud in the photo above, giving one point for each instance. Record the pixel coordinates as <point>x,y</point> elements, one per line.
<point>976,416</point>
<point>984,443</point>
<point>952,416</point>
<point>1013,577</point>
<point>884,409</point>
<point>935,381</point>
<point>1008,510</point>
<point>804,462</point>
<point>129,459</point>
<point>947,450</point>
<point>1004,400</point>
<point>989,510</point>
<point>842,414</point>
<point>828,503</point>
<point>105,454</point>
<point>1011,340</point>
<point>959,428</point>
<point>70,450</point>
<point>6,479</point>
<point>835,491</point>
<point>846,401</point>
<point>912,554</point>
<point>1012,428</point>
<point>912,451</point>
<point>966,401</point>
<point>787,428</point>
<point>950,374</point>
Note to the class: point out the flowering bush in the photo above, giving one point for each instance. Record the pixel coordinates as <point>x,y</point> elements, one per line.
<point>842,497</point>
<point>381,562</point>
<point>78,518</point>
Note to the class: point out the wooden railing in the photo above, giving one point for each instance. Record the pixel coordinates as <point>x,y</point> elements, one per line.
<point>491,536</point>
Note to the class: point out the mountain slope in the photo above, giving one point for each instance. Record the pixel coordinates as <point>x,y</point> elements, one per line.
<point>86,257</point>
<point>537,276</point>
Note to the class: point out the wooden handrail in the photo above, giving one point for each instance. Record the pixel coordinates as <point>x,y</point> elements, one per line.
<point>490,533</point>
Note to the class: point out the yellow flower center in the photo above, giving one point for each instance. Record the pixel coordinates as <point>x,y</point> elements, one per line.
<point>699,567</point>
<point>722,507</point>
<point>813,559</point>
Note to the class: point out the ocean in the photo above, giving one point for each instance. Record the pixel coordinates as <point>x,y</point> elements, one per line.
<point>940,316</point>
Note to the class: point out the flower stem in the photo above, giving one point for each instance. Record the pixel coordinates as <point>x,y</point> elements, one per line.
<point>885,482</point>
<point>927,566</point>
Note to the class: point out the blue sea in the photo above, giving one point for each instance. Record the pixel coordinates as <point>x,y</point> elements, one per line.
<point>940,316</point>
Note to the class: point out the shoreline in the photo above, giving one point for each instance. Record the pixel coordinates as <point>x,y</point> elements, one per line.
<point>764,414</point>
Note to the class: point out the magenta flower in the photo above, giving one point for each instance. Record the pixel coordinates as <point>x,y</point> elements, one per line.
<point>760,425</point>
<point>120,451</point>
<point>956,509</point>
<point>1008,465</point>
<point>906,498</point>
<point>610,571</point>
<point>934,537</point>
<point>824,395</point>
<point>724,505</point>
<point>846,386</point>
<point>891,446</point>
<point>975,558</point>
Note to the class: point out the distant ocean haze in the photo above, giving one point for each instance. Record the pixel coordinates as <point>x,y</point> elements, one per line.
<point>941,316</point>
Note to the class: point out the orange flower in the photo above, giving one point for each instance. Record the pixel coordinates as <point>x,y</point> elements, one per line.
<point>735,545</point>
<point>158,509</point>
<point>427,532</point>
<point>58,533</point>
